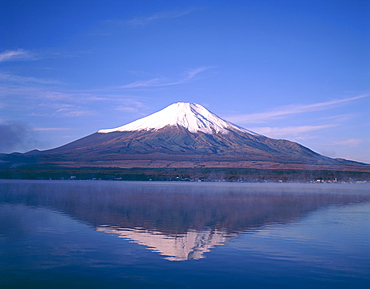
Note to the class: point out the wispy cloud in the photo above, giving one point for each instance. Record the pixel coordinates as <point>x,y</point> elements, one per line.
<point>111,26</point>
<point>147,20</point>
<point>37,99</point>
<point>127,108</point>
<point>350,142</point>
<point>283,132</point>
<point>340,118</point>
<point>55,94</point>
<point>189,75</point>
<point>73,112</point>
<point>51,128</point>
<point>25,79</point>
<point>144,83</point>
<point>289,110</point>
<point>60,110</point>
<point>131,107</point>
<point>16,55</point>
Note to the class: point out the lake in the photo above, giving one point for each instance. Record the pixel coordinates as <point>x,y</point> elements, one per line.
<point>116,234</point>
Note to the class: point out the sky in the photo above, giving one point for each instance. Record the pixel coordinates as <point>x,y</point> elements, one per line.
<point>296,70</point>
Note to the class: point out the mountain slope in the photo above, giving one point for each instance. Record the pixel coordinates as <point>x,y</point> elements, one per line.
<point>185,135</point>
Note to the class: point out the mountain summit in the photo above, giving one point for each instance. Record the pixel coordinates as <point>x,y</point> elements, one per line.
<point>194,117</point>
<point>182,135</point>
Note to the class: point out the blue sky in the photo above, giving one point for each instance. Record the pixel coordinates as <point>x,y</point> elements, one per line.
<point>297,70</point>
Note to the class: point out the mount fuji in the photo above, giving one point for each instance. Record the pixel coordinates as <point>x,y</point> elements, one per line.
<point>185,135</point>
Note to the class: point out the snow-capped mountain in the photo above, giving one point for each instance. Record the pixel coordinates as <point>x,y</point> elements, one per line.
<point>183,135</point>
<point>194,117</point>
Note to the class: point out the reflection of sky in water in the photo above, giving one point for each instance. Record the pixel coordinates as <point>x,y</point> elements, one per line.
<point>238,232</point>
<point>335,238</point>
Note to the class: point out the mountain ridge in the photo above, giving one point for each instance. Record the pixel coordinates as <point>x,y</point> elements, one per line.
<point>183,135</point>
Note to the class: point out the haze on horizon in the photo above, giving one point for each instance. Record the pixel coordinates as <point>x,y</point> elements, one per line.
<point>297,70</point>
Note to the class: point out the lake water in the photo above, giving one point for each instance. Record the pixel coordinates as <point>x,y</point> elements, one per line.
<point>102,234</point>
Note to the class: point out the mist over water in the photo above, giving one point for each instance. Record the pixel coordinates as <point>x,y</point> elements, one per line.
<point>181,235</point>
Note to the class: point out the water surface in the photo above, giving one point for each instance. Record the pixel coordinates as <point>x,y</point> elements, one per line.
<point>94,234</point>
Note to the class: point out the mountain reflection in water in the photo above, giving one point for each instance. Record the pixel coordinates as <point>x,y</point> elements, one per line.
<point>180,221</point>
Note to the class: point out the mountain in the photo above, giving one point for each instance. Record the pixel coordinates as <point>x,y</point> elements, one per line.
<point>194,117</point>
<point>184,135</point>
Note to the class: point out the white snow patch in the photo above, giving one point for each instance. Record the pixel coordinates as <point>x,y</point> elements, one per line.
<point>191,116</point>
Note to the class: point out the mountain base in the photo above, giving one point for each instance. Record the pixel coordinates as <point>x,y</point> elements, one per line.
<point>184,174</point>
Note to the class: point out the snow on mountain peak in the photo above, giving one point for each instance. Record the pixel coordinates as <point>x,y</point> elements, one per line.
<point>191,116</point>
